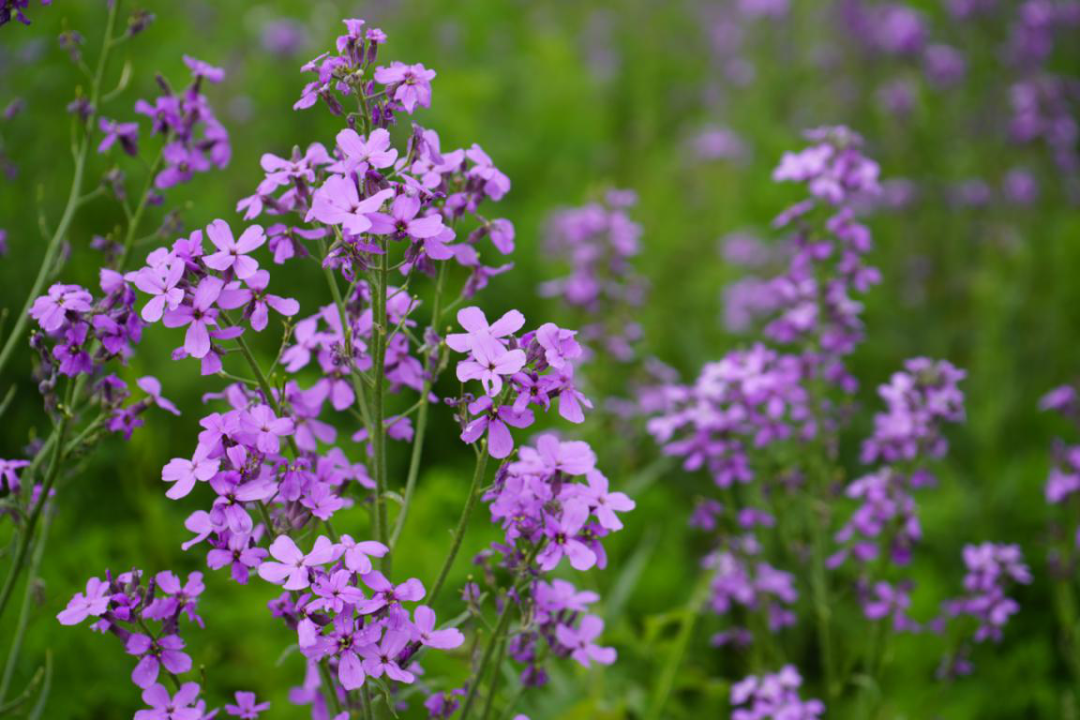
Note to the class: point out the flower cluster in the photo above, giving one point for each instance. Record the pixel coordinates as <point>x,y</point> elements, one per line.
<point>743,581</point>
<point>405,87</point>
<point>553,504</point>
<point>195,290</point>
<point>367,193</point>
<point>773,697</point>
<point>1063,480</point>
<point>361,634</point>
<point>826,263</point>
<point>919,401</point>
<point>536,369</point>
<point>992,571</point>
<point>194,140</point>
<point>749,399</point>
<point>146,617</point>
<point>599,242</point>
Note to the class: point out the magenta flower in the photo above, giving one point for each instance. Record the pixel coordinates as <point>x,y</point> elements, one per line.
<point>164,652</point>
<point>266,428</point>
<point>199,317</point>
<point>232,254</point>
<point>558,344</point>
<point>161,282</point>
<point>580,642</point>
<point>604,504</point>
<point>552,456</point>
<point>386,594</point>
<point>152,387</point>
<point>127,134</point>
<point>183,473</point>
<point>51,310</point>
<point>246,708</point>
<point>175,707</point>
<point>9,476</point>
<point>489,362</point>
<point>293,566</point>
<point>357,554</point>
<point>382,658</point>
<point>360,154</point>
<point>494,423</point>
<point>426,634</point>
<point>94,602</point>
<point>334,592</point>
<point>563,539</point>
<point>411,84</point>
<point>338,202</point>
<point>476,326</point>
<point>496,184</point>
<point>200,69</point>
<point>402,222</point>
<point>180,163</point>
<point>263,301</point>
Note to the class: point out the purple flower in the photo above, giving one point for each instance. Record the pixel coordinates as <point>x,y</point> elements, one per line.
<point>476,325</point>
<point>233,254</point>
<point>338,202</point>
<point>246,708</point>
<point>494,423</point>
<point>152,387</point>
<point>184,473</point>
<point>357,554</point>
<point>382,658</point>
<point>293,567</point>
<point>360,154</point>
<point>9,477</point>
<point>199,317</point>
<point>162,282</point>
<point>426,634</point>
<point>164,652</point>
<point>175,707</point>
<point>604,504</point>
<point>564,541</point>
<point>265,428</point>
<point>580,642</point>
<point>94,602</point>
<point>410,85</point>
<point>200,69</point>
<point>773,697</point>
<point>127,134</point>
<point>181,162</point>
<point>402,222</point>
<point>489,362</point>
<point>51,310</point>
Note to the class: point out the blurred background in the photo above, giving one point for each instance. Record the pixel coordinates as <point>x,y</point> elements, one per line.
<point>689,103</point>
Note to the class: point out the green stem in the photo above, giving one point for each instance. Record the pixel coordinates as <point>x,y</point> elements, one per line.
<point>682,642</point>
<point>463,522</point>
<point>489,702</point>
<point>24,612</point>
<point>346,329</point>
<point>378,402</point>
<point>368,704</point>
<point>52,250</point>
<point>35,514</point>
<point>489,653</point>
<point>421,419</point>
<point>331,692</point>
<point>136,218</point>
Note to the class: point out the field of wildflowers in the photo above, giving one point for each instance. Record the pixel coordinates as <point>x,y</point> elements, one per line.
<point>502,360</point>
